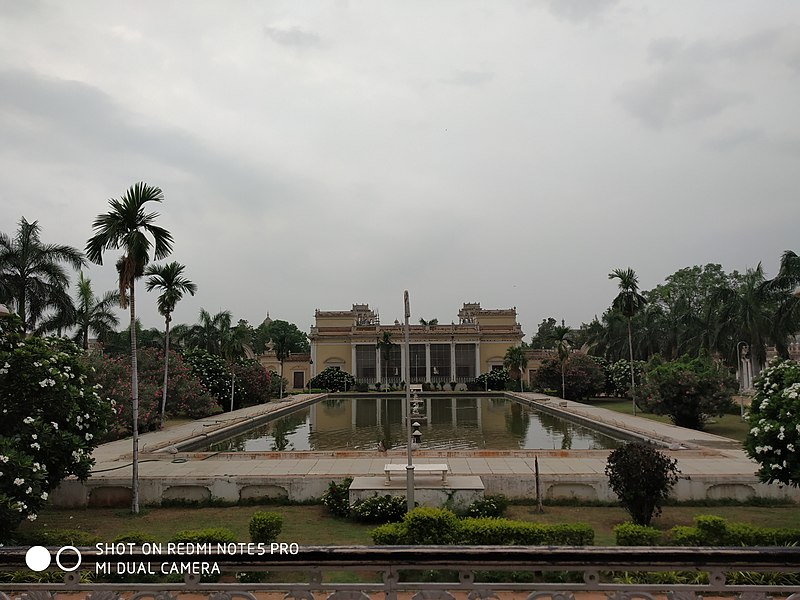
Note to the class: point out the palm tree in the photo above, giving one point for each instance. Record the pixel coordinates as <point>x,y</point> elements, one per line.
<point>563,338</point>
<point>93,313</point>
<point>628,302</point>
<point>210,333</point>
<point>385,345</point>
<point>32,277</point>
<point>786,288</point>
<point>169,279</point>
<point>127,227</point>
<point>515,359</point>
<point>429,322</point>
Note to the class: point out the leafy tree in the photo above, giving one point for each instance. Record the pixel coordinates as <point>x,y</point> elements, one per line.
<point>128,227</point>
<point>774,419</point>
<point>32,274</point>
<point>582,377</point>
<point>210,333</point>
<point>516,360</point>
<point>688,390</point>
<point>253,383</point>
<point>545,337</point>
<point>628,302</point>
<point>52,419</point>
<point>333,380</point>
<point>642,478</point>
<point>286,339</point>
<point>619,375</point>
<point>169,279</point>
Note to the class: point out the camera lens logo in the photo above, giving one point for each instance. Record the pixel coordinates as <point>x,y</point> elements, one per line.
<point>38,558</point>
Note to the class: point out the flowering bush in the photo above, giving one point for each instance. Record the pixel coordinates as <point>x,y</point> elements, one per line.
<point>619,375</point>
<point>583,376</point>
<point>495,379</point>
<point>488,507</point>
<point>774,421</point>
<point>337,498</point>
<point>379,509</point>
<point>112,375</point>
<point>51,419</point>
<point>253,383</point>
<point>688,390</point>
<point>333,380</point>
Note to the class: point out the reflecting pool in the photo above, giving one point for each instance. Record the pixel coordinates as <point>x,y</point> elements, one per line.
<point>458,423</point>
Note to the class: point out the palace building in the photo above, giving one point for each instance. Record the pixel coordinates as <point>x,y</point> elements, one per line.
<point>350,340</point>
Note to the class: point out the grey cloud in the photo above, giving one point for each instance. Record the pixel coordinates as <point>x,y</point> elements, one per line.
<point>736,139</point>
<point>294,37</point>
<point>83,124</point>
<point>749,47</point>
<point>580,11</point>
<point>674,97</point>
<point>469,78</point>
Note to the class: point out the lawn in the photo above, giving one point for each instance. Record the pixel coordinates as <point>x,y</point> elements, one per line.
<point>312,525</point>
<point>729,426</point>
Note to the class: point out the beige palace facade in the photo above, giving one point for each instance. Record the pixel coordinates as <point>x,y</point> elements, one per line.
<point>458,352</point>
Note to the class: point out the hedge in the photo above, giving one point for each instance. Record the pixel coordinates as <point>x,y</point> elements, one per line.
<point>710,530</point>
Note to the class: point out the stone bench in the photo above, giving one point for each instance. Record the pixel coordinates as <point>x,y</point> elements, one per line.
<point>390,468</point>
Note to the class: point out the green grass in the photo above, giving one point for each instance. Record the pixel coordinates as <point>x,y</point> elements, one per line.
<point>312,525</point>
<point>729,426</point>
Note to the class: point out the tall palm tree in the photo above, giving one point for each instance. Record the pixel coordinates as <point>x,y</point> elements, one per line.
<point>128,227</point>
<point>32,276</point>
<point>629,302</point>
<point>169,279</point>
<point>515,359</point>
<point>563,338</point>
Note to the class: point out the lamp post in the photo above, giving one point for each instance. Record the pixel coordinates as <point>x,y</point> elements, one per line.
<point>410,465</point>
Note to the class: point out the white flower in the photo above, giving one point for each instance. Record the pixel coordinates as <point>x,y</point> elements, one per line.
<point>44,495</point>
<point>19,481</point>
<point>89,436</point>
<point>36,446</point>
<point>27,420</point>
<point>34,436</point>
<point>31,517</point>
<point>3,458</point>
<point>790,447</point>
<point>29,490</point>
<point>54,424</point>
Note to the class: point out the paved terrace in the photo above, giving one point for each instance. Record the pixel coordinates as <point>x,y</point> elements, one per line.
<point>711,466</point>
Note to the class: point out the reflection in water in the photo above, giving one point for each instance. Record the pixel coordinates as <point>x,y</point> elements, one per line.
<point>445,424</point>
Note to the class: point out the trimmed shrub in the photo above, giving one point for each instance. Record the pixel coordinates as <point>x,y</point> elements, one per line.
<point>67,537</point>
<point>337,498</point>
<point>209,535</point>
<point>710,530</point>
<point>265,527</point>
<point>334,380</point>
<point>426,525</point>
<point>583,376</point>
<point>134,537</point>
<point>390,534</point>
<point>642,478</point>
<point>489,531</point>
<point>379,509</point>
<point>489,506</point>
<point>631,534</point>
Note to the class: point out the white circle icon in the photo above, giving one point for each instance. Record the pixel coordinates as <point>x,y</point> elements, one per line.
<point>58,558</point>
<point>37,558</point>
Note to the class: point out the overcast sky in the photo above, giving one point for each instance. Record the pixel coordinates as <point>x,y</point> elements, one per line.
<point>317,154</point>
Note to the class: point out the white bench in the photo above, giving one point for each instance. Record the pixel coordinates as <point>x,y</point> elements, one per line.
<point>415,387</point>
<point>390,468</point>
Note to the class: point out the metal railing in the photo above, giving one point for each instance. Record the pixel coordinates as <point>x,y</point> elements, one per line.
<point>555,573</point>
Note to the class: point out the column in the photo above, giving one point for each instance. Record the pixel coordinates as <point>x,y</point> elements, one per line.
<point>452,360</point>
<point>428,362</point>
<point>353,361</point>
<point>377,364</point>
<point>477,358</point>
<point>313,369</point>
